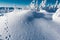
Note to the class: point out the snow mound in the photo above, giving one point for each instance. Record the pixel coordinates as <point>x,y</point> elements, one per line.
<point>27,25</point>
<point>11,23</point>
<point>56,16</point>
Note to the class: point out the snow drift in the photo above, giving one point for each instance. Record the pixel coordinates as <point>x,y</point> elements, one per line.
<point>56,16</point>
<point>27,25</point>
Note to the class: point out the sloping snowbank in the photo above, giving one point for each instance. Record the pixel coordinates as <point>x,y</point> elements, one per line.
<point>56,16</point>
<point>22,25</point>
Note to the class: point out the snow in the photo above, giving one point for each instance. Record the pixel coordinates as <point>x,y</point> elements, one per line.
<point>56,16</point>
<point>9,20</point>
<point>32,6</point>
<point>23,25</point>
<point>43,11</point>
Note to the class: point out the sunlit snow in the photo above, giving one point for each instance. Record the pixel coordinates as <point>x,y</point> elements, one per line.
<point>30,24</point>
<point>23,25</point>
<point>56,16</point>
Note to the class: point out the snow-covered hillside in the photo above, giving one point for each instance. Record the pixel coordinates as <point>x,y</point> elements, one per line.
<point>27,25</point>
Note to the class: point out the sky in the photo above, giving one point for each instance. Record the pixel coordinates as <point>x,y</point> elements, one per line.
<point>22,2</point>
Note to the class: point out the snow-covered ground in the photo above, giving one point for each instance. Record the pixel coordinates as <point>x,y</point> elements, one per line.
<point>56,16</point>
<point>27,25</point>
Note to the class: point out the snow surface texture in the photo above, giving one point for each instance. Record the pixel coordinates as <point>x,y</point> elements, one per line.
<point>27,25</point>
<point>56,16</point>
